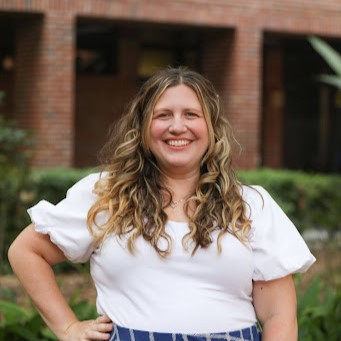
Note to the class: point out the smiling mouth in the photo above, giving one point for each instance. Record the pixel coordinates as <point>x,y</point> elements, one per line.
<point>178,143</point>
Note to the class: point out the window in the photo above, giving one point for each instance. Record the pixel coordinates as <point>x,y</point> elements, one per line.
<point>96,50</point>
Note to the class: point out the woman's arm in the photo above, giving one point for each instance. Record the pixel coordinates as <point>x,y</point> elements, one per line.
<point>31,256</point>
<point>275,305</point>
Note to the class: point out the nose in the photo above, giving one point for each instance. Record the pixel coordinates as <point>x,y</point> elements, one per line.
<point>177,125</point>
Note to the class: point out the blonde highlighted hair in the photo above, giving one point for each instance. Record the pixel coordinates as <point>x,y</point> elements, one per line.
<point>131,192</point>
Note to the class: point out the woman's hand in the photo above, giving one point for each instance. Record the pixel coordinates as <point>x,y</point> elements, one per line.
<point>32,256</point>
<point>89,330</point>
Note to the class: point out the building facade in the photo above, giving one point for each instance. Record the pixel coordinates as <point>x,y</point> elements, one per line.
<point>68,68</point>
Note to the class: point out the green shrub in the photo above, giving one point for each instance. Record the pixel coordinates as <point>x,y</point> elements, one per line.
<point>52,184</point>
<point>25,324</point>
<point>14,177</point>
<point>319,312</point>
<point>310,200</point>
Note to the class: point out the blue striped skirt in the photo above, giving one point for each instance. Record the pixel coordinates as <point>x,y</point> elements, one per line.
<point>125,334</point>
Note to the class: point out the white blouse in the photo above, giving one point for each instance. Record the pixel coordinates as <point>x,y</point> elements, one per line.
<point>207,292</point>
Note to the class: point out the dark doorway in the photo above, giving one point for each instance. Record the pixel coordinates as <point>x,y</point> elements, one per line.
<point>310,111</point>
<point>7,64</point>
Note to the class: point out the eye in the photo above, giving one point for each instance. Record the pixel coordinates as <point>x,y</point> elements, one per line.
<point>191,114</point>
<point>162,115</point>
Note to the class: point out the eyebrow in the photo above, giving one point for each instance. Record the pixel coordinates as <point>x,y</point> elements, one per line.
<point>186,109</point>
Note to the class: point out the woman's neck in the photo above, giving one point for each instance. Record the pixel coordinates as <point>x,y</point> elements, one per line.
<point>181,187</point>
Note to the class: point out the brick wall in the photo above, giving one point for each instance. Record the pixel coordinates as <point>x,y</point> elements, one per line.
<point>244,105</point>
<point>44,86</point>
<point>44,81</point>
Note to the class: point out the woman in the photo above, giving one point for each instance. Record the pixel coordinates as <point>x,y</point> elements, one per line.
<point>177,245</point>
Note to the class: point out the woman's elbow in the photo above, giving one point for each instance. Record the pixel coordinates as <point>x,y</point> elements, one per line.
<point>17,251</point>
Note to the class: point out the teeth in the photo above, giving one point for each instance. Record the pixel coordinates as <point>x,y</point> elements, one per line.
<point>177,143</point>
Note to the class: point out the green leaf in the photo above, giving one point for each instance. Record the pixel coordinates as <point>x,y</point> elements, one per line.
<point>48,334</point>
<point>311,296</point>
<point>331,80</point>
<point>13,311</point>
<point>331,56</point>
<point>25,334</point>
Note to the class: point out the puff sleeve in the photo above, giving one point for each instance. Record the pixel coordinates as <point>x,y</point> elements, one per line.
<point>277,246</point>
<point>65,222</point>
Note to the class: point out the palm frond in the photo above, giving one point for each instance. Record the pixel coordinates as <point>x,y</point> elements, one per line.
<point>331,56</point>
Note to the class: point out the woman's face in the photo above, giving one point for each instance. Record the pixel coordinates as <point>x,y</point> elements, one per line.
<point>178,131</point>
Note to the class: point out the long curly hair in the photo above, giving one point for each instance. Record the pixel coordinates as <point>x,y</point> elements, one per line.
<point>131,193</point>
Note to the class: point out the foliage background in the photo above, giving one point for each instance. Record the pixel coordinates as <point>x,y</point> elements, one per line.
<point>311,200</point>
